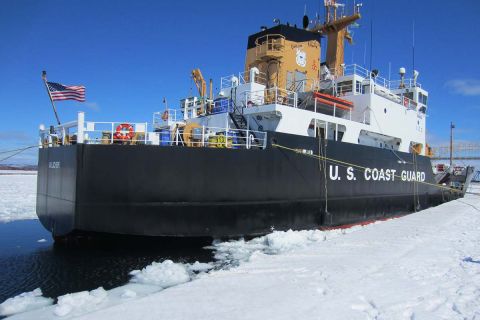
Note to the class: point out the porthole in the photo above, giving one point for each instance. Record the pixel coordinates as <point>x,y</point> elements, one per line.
<point>385,110</point>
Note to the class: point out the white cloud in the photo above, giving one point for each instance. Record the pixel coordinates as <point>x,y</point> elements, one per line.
<point>465,87</point>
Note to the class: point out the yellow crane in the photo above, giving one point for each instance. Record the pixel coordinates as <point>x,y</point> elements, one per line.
<point>199,82</point>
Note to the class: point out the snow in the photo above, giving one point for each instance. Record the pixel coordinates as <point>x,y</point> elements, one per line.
<point>79,302</point>
<point>18,196</point>
<point>163,274</point>
<point>24,302</point>
<point>422,266</point>
<point>168,273</point>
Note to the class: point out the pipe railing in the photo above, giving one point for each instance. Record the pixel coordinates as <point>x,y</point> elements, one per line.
<point>128,133</point>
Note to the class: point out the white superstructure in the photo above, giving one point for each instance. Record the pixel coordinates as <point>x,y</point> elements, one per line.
<point>385,114</point>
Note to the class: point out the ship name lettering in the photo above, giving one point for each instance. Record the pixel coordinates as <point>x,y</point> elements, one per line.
<point>413,175</point>
<point>54,165</point>
<point>350,175</point>
<point>379,174</point>
<point>334,176</point>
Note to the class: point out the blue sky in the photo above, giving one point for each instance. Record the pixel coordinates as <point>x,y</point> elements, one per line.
<point>130,54</point>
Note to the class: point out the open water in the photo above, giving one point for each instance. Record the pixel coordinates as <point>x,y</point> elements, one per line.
<point>27,263</point>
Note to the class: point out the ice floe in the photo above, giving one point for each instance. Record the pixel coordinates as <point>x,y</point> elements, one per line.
<point>18,196</point>
<point>24,302</point>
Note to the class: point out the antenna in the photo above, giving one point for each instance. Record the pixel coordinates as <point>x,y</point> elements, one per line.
<point>371,42</point>
<point>413,45</point>
<point>389,70</point>
<point>364,54</point>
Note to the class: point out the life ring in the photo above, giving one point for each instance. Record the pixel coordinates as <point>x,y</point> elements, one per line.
<point>124,131</point>
<point>405,102</point>
<point>165,115</point>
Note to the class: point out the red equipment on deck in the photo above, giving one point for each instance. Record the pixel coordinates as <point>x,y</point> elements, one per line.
<point>333,101</point>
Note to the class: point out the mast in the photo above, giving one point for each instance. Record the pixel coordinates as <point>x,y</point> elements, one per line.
<point>335,28</point>
<point>452,126</point>
<point>44,78</point>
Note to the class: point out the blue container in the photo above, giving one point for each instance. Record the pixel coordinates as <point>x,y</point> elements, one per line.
<point>164,137</point>
<point>235,139</point>
<point>222,105</point>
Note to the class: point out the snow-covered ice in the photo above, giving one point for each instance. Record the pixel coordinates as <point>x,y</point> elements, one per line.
<point>24,302</point>
<point>163,274</point>
<point>18,195</point>
<point>79,302</point>
<point>422,266</point>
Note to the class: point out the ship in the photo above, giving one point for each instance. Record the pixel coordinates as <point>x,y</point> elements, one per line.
<point>290,142</point>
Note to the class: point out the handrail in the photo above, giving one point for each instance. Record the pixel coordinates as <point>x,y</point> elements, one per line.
<point>106,133</point>
<point>233,80</point>
<point>269,43</point>
<point>355,69</point>
<point>273,95</point>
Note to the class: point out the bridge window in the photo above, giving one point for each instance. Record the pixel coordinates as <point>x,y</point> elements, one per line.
<point>358,87</point>
<point>344,87</point>
<point>422,98</point>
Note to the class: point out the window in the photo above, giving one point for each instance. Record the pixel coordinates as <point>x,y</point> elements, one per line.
<point>409,95</point>
<point>344,87</point>
<point>422,98</point>
<point>358,87</point>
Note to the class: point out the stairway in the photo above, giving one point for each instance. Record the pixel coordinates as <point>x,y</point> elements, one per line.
<point>240,123</point>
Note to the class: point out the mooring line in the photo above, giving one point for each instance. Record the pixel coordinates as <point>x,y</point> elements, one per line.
<point>17,151</point>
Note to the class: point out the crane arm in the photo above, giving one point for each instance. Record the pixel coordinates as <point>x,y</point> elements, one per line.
<point>199,82</point>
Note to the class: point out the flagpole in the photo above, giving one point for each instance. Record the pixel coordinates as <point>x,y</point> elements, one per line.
<point>44,77</point>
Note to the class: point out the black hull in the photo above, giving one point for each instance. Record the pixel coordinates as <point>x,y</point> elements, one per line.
<point>197,192</point>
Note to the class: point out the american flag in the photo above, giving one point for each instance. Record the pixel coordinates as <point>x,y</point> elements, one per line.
<point>62,92</point>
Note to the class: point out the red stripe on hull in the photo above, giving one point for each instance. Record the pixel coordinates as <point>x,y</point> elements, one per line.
<point>361,223</point>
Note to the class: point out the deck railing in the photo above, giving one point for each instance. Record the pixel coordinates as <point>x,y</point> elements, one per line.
<point>234,80</point>
<point>273,95</point>
<point>355,69</point>
<point>166,118</point>
<point>129,133</point>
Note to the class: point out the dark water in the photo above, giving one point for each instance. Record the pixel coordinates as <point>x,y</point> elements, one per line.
<point>26,264</point>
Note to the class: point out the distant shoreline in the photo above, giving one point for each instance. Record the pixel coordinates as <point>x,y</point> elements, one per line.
<point>17,172</point>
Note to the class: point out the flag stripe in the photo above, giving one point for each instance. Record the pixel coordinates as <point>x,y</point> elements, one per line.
<point>63,92</point>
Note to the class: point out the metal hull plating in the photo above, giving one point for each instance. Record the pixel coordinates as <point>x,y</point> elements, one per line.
<point>193,192</point>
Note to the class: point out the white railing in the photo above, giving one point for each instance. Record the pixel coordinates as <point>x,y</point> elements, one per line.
<point>61,134</point>
<point>354,69</point>
<point>407,83</point>
<point>234,80</point>
<point>128,133</point>
<point>113,132</point>
<point>166,118</point>
<point>216,137</point>
<point>273,95</point>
